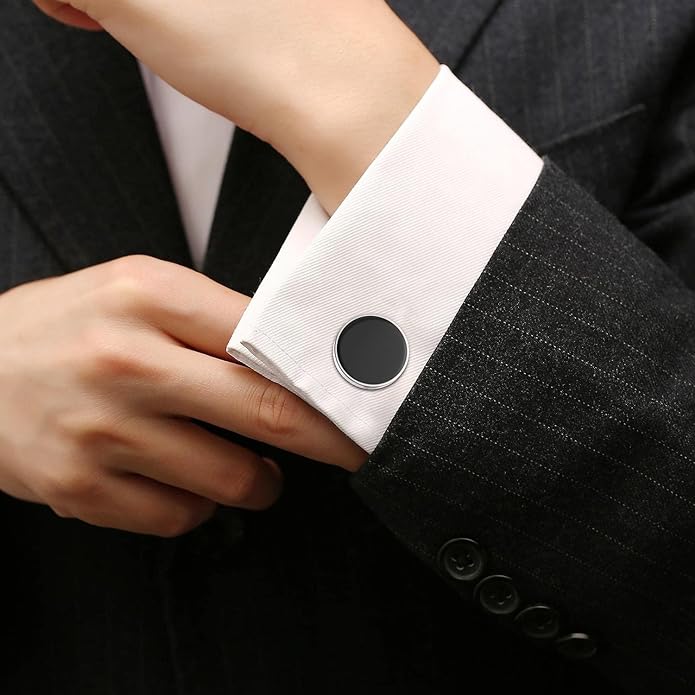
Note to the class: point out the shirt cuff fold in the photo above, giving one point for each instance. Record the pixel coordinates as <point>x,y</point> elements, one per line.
<point>408,243</point>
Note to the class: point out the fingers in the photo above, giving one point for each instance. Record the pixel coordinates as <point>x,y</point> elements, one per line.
<point>236,398</point>
<point>137,504</point>
<point>199,383</point>
<point>184,304</point>
<point>184,455</point>
<point>159,476</point>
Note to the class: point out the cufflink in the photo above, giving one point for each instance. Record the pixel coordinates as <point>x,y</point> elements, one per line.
<point>370,352</point>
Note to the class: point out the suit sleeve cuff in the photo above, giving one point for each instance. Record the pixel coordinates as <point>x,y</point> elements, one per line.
<point>408,243</point>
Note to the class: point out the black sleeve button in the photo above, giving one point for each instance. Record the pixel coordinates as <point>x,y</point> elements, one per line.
<point>462,559</point>
<point>539,622</point>
<point>576,646</point>
<point>498,595</point>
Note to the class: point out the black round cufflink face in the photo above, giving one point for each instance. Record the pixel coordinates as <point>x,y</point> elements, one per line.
<point>371,352</point>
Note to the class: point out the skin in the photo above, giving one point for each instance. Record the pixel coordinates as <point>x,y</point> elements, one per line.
<point>99,398</point>
<point>325,82</point>
<point>106,370</point>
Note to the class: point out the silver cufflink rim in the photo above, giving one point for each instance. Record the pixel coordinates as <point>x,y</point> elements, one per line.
<point>361,384</point>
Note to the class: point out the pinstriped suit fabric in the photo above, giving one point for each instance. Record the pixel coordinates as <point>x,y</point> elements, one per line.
<point>551,423</point>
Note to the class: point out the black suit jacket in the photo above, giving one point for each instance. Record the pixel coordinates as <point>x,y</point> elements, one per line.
<point>552,426</point>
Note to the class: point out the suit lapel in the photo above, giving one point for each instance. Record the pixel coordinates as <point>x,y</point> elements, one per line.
<point>78,145</point>
<point>80,152</point>
<point>449,28</point>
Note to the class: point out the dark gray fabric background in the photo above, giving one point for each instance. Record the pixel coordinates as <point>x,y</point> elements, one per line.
<point>553,424</point>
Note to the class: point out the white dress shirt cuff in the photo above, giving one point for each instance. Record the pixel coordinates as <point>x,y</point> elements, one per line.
<point>407,243</point>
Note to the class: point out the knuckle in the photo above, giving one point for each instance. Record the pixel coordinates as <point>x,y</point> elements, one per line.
<point>144,287</point>
<point>133,284</point>
<point>105,355</point>
<point>89,436</point>
<point>111,359</point>
<point>99,437</point>
<point>135,266</point>
<point>276,411</point>
<point>70,486</point>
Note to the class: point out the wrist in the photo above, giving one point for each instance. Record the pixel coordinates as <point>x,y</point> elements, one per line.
<point>341,118</point>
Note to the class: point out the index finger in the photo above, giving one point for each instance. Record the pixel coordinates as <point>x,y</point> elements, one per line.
<point>189,307</point>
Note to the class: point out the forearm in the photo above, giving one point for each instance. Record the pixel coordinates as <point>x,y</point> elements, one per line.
<point>349,105</point>
<point>326,84</point>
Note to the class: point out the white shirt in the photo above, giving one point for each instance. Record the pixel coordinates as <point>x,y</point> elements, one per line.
<point>408,243</point>
<point>196,143</point>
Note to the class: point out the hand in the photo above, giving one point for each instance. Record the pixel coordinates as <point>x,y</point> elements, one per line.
<point>101,373</point>
<point>326,83</point>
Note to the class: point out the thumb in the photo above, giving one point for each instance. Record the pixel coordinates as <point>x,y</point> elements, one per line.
<point>72,14</point>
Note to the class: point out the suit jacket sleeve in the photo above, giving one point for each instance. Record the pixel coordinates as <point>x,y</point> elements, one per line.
<point>548,428</point>
<point>553,426</point>
<point>407,244</point>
